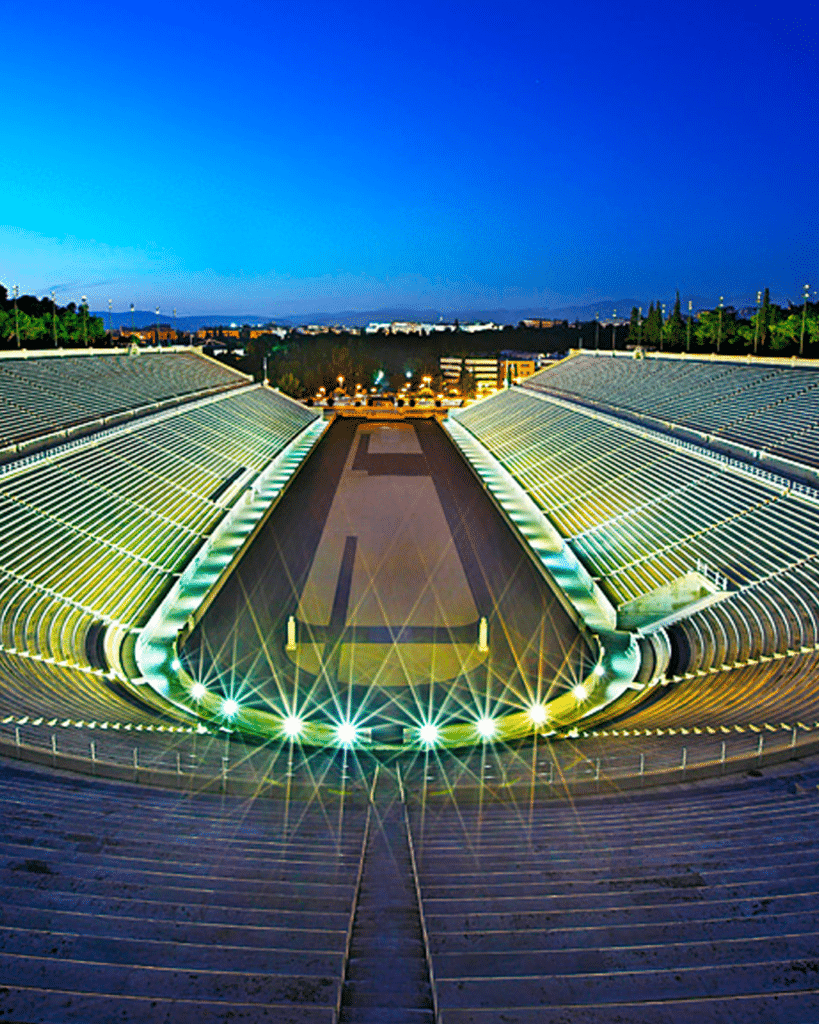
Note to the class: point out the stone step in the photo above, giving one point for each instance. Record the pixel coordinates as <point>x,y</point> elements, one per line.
<point>687,891</point>
<point>104,925</point>
<point>611,959</point>
<point>256,876</point>
<point>69,1006</point>
<point>761,978</point>
<point>387,976</point>
<point>186,955</point>
<point>591,936</point>
<point>168,983</point>
<point>221,912</point>
<point>121,886</point>
<point>627,914</point>
<point>383,1015</point>
<point>532,872</point>
<point>782,1008</point>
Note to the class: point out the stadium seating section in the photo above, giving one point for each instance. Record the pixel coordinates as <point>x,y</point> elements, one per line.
<point>515,884</point>
<point>641,508</point>
<point>769,406</point>
<point>93,532</point>
<point>42,395</point>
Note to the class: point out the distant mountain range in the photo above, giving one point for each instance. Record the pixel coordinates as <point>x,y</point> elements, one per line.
<point>360,318</point>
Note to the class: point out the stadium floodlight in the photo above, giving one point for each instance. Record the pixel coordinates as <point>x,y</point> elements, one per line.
<point>599,670</point>
<point>580,692</point>
<point>538,714</point>
<point>428,734</point>
<point>229,707</point>
<point>293,726</point>
<point>198,691</point>
<point>346,733</point>
<point>176,665</point>
<point>486,727</point>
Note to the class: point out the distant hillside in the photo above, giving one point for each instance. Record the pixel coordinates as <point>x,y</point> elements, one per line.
<point>360,318</point>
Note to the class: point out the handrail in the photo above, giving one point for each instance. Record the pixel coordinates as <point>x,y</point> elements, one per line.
<point>356,894</point>
<point>424,934</point>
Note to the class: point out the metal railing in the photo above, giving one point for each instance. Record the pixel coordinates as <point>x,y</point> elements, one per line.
<point>419,899</point>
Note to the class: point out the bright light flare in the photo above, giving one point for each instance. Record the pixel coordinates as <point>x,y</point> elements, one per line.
<point>429,734</point>
<point>538,714</point>
<point>346,733</point>
<point>487,727</point>
<point>198,691</point>
<point>599,670</point>
<point>293,726</point>
<point>580,692</point>
<point>229,707</point>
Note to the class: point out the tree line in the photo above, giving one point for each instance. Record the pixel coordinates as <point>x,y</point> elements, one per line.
<point>771,330</point>
<point>29,322</point>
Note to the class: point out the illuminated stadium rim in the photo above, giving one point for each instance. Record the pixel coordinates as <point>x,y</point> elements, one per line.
<point>158,643</point>
<point>549,717</point>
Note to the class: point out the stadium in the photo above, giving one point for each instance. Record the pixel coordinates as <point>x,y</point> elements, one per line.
<point>508,714</point>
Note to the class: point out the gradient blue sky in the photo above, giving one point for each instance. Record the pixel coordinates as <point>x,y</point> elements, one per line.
<point>287,157</point>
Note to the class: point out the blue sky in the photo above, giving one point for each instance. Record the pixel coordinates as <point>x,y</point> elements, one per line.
<point>287,157</point>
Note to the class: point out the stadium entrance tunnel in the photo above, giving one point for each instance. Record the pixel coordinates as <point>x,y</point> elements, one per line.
<point>384,602</point>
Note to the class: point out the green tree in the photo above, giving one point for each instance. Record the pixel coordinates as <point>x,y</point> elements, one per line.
<point>653,325</point>
<point>765,315</point>
<point>635,326</point>
<point>675,328</point>
<point>290,385</point>
<point>467,384</point>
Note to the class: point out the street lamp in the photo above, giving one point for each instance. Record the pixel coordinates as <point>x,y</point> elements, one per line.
<point>758,315</point>
<point>54,317</point>
<point>15,292</point>
<point>613,330</point>
<point>157,326</point>
<point>804,315</point>
<point>719,326</point>
<point>84,302</point>
<point>688,326</point>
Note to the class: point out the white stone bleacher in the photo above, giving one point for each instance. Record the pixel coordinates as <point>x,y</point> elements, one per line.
<point>95,532</point>
<point>769,406</point>
<point>693,905</point>
<point>44,393</point>
<point>639,511</point>
<point>122,903</point>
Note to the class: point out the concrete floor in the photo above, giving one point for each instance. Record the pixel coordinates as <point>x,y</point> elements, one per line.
<point>387,552</point>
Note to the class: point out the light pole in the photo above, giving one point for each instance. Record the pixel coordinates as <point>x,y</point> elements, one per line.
<point>110,319</point>
<point>804,315</point>
<point>15,292</point>
<point>157,326</point>
<point>174,326</point>
<point>597,330</point>
<point>54,318</point>
<point>613,330</point>
<point>640,326</point>
<point>132,318</point>
<point>84,302</point>
<point>719,326</point>
<point>688,326</point>
<point>758,315</point>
